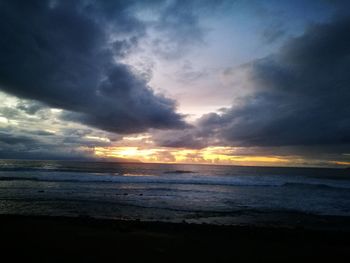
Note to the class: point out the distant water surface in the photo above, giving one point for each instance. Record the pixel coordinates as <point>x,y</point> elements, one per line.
<point>171,192</point>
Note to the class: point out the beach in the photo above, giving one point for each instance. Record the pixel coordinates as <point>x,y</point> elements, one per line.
<point>59,239</point>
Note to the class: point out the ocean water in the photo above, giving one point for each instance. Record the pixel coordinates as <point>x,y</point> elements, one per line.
<point>172,192</point>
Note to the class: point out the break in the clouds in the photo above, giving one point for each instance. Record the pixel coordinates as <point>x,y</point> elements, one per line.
<point>32,131</point>
<point>294,101</point>
<point>66,54</point>
<point>298,96</point>
<point>171,80</point>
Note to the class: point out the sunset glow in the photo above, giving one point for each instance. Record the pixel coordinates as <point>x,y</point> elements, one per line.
<point>183,121</point>
<point>212,82</point>
<point>209,155</point>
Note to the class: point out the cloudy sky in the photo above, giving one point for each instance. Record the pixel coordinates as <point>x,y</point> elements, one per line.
<point>225,82</point>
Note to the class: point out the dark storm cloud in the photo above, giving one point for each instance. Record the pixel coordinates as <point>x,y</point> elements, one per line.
<point>179,15</point>
<point>36,144</point>
<point>43,153</point>
<point>41,133</point>
<point>189,138</point>
<point>300,95</point>
<point>30,108</point>
<point>297,102</point>
<point>62,53</point>
<point>180,25</point>
<point>11,139</point>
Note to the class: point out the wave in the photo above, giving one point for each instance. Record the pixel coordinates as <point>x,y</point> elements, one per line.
<point>132,179</point>
<point>78,170</point>
<point>316,185</point>
<point>54,169</point>
<point>180,179</point>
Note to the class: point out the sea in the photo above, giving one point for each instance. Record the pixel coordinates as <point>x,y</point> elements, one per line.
<point>203,194</point>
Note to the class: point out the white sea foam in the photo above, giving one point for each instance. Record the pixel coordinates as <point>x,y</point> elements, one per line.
<point>163,192</point>
<point>175,178</point>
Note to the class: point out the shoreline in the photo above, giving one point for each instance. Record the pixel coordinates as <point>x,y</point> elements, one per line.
<point>54,239</point>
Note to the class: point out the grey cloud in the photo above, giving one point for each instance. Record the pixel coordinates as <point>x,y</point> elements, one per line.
<point>59,153</point>
<point>60,55</point>
<point>34,144</point>
<point>30,107</point>
<point>186,30</point>
<point>75,132</point>
<point>273,33</point>
<point>297,103</point>
<point>9,112</point>
<point>301,94</point>
<point>40,133</point>
<point>13,139</point>
<point>189,138</point>
<point>334,152</point>
<point>179,23</point>
<point>188,74</point>
<point>125,46</point>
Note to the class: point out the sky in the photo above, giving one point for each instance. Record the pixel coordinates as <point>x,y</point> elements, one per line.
<point>197,81</point>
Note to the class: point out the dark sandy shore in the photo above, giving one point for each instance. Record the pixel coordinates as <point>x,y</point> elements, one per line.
<point>56,239</point>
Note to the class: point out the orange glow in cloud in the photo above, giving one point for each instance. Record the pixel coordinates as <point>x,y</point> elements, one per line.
<point>342,163</point>
<point>124,152</point>
<point>209,155</point>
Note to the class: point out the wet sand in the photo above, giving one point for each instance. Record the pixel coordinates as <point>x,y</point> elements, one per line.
<point>59,239</point>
